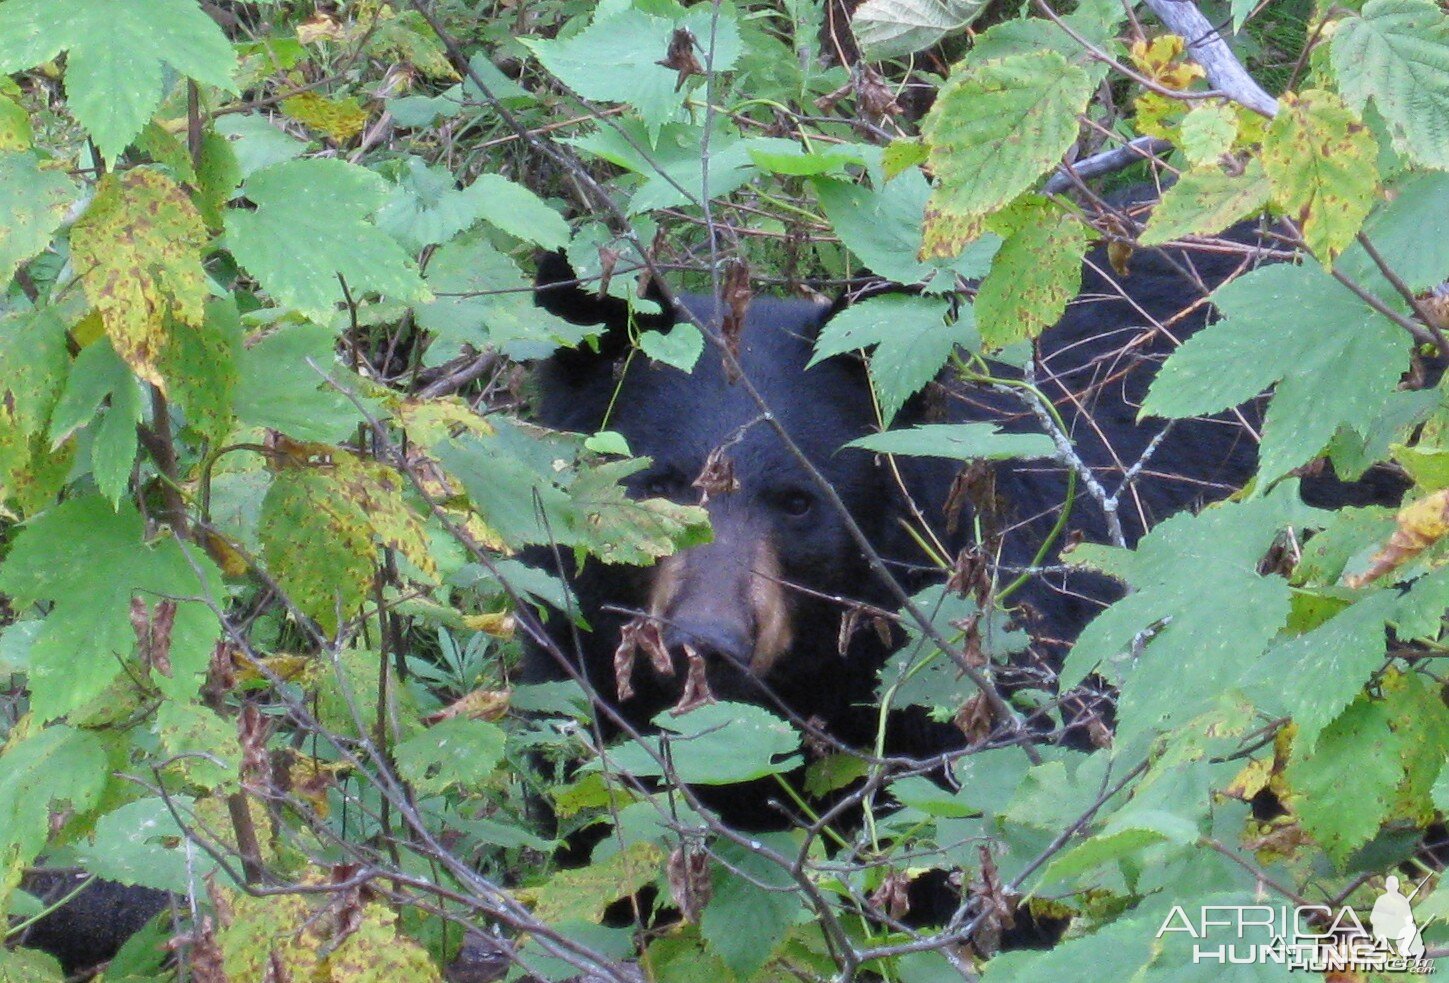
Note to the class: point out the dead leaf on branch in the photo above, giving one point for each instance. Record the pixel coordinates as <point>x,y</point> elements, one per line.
<point>639,634</point>
<point>681,57</point>
<point>717,477</point>
<point>696,685</point>
<point>153,633</point>
<point>689,884</point>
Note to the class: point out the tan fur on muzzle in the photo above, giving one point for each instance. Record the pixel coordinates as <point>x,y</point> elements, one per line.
<point>771,632</point>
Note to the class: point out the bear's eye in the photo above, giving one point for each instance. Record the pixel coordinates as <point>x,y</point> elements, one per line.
<point>797,503</point>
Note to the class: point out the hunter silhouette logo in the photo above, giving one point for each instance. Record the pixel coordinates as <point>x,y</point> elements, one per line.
<point>1393,922</point>
<point>1316,937</point>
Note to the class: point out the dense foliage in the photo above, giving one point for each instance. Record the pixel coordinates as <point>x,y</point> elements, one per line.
<point>266,470</point>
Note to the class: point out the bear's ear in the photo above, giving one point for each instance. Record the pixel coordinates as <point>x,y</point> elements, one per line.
<point>557,290</point>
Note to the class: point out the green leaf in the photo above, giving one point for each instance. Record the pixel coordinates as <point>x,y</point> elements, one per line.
<point>1208,131</point>
<point>200,368</point>
<point>91,561</point>
<point>34,201</point>
<point>619,529</point>
<point>1120,951</point>
<point>458,751</point>
<point>116,53</point>
<point>21,965</point>
<point>753,905</point>
<point>615,59</point>
<point>99,374</point>
<point>912,340</point>
<point>57,764</point>
<point>716,744</point>
<point>1405,232</point>
<point>1334,362</point>
<point>310,227</point>
<point>257,143</point>
<point>1037,270</point>
<point>1104,848</point>
<point>1338,655</point>
<point>784,157</point>
<point>895,28</point>
<point>1197,580</point>
<point>279,385</point>
<point>959,442</point>
<point>1096,22</point>
<point>680,346</point>
<point>882,226</point>
<point>1321,162</point>
<point>920,674</point>
<point>424,208</point>
<point>1342,815</point>
<point>511,479</point>
<point>993,130</point>
<point>141,844</point>
<point>1397,53</point>
<point>481,298</point>
<point>1206,200</point>
<point>202,745</point>
<point>518,211</point>
<point>34,366</point>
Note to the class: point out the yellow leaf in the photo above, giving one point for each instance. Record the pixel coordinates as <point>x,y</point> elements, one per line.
<point>311,778</point>
<point>499,624</point>
<point>1321,161</point>
<point>138,251</point>
<point>1161,61</point>
<point>377,490</point>
<point>584,893</point>
<point>290,668</point>
<point>339,118</point>
<point>427,422</point>
<point>481,704</point>
<point>1420,525</point>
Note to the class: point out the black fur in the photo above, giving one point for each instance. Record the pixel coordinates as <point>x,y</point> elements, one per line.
<point>1095,366</point>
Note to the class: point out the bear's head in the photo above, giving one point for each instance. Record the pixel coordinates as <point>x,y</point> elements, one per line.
<point>763,602</point>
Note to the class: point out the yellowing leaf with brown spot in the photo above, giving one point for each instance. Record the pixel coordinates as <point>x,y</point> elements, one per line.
<point>1321,161</point>
<point>584,893</point>
<point>1251,780</point>
<point>428,421</point>
<point>15,132</point>
<point>137,251</point>
<point>290,668</point>
<point>1161,60</point>
<point>1421,524</point>
<point>377,490</point>
<point>317,544</point>
<point>339,118</point>
<point>311,778</point>
<point>330,937</point>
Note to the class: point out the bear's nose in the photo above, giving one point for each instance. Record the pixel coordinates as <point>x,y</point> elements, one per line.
<point>713,640</point>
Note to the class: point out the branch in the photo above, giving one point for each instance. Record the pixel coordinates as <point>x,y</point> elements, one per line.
<point>1208,49</point>
<point>1107,162</point>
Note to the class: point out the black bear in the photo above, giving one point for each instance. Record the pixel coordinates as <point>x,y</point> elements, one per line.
<point>762,605</point>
